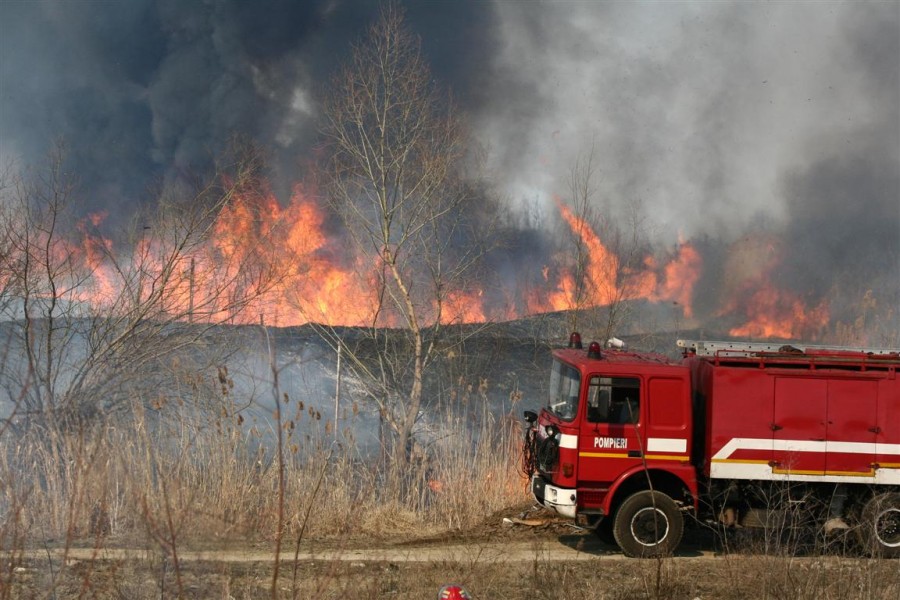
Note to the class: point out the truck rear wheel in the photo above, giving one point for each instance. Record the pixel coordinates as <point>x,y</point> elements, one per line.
<point>648,524</point>
<point>879,527</point>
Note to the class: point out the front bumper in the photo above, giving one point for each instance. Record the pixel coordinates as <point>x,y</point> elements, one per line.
<point>562,500</point>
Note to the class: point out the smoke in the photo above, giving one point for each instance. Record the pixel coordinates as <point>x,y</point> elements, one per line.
<point>719,118</point>
<point>699,110</point>
<point>725,120</point>
<point>144,88</point>
<point>843,196</point>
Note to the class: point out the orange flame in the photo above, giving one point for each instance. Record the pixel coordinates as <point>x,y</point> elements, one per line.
<point>463,307</point>
<point>605,282</point>
<point>776,313</point>
<point>769,311</point>
<point>317,280</point>
<point>681,275</point>
<point>602,265</point>
<point>312,286</point>
<point>293,278</point>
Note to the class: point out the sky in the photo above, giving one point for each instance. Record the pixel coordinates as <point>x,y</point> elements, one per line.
<point>717,117</point>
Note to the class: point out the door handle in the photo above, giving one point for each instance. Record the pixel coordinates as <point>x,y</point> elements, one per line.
<point>635,454</point>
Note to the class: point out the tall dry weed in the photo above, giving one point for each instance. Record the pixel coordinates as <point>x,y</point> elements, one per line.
<point>188,478</point>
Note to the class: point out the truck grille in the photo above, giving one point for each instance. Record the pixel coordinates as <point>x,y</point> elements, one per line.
<point>548,455</point>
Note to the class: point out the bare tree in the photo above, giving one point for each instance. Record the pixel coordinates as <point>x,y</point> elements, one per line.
<point>12,403</point>
<point>99,327</point>
<point>608,253</point>
<point>393,153</point>
<point>582,190</point>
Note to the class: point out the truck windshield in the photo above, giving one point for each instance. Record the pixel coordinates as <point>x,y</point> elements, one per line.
<point>565,384</point>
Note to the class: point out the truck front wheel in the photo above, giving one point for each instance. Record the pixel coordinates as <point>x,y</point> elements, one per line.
<point>648,524</point>
<point>879,527</point>
<point>604,531</point>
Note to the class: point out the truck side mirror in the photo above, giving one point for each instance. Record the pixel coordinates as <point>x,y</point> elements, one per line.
<point>530,416</point>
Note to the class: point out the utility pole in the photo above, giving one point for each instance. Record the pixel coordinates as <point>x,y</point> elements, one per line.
<point>337,386</point>
<point>191,293</point>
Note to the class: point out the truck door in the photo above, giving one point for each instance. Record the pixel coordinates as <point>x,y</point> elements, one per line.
<point>668,428</point>
<point>608,442</point>
<point>852,420</point>
<point>799,426</point>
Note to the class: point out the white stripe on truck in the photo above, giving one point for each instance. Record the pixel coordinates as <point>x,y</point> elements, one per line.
<point>666,445</point>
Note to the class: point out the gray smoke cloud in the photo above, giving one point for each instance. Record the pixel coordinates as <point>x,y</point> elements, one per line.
<point>723,120</point>
<point>698,109</point>
<point>140,88</point>
<point>717,117</point>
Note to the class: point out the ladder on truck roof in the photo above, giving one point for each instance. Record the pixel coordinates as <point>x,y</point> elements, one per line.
<point>713,348</point>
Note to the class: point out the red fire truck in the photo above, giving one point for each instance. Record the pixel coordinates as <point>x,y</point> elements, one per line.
<point>734,434</point>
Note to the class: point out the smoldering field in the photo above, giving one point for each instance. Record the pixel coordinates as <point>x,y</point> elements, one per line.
<point>188,480</point>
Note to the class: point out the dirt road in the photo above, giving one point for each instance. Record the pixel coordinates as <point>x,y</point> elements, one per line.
<point>496,562</point>
<point>579,548</point>
<point>497,541</point>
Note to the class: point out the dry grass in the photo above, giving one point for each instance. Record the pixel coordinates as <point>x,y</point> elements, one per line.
<point>191,481</point>
<point>184,480</point>
<point>734,578</point>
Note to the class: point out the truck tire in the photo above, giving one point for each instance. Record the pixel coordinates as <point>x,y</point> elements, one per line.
<point>648,524</point>
<point>879,525</point>
<point>604,531</point>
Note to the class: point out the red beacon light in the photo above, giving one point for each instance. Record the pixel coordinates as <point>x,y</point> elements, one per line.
<point>575,340</point>
<point>594,350</point>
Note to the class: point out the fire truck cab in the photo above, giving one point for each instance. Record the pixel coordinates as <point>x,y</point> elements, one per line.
<point>630,443</point>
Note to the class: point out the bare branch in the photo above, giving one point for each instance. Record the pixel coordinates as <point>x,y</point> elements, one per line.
<point>394,150</point>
